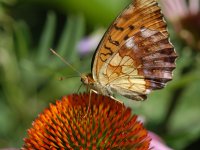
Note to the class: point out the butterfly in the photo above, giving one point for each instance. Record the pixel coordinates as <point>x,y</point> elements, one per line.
<point>135,55</point>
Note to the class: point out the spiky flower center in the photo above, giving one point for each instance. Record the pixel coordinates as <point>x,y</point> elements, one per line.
<point>108,125</point>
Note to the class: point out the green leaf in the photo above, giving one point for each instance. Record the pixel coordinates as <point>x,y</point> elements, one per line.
<point>47,38</point>
<point>72,33</point>
<point>22,39</point>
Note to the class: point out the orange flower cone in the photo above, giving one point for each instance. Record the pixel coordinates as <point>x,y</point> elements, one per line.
<point>108,125</point>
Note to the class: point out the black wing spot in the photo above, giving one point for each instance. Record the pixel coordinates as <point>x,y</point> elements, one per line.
<point>109,49</point>
<point>131,27</point>
<point>116,43</point>
<point>118,28</point>
<point>126,37</point>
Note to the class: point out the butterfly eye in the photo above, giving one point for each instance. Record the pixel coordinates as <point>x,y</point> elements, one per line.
<point>84,79</point>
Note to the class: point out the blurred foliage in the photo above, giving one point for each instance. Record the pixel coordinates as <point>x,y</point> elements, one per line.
<point>29,72</point>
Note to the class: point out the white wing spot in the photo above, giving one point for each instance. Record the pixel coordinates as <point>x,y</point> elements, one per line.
<point>147,91</point>
<point>130,43</point>
<point>147,32</point>
<point>167,75</point>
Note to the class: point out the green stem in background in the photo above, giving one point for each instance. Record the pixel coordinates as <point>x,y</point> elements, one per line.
<point>47,38</point>
<point>175,100</point>
<point>193,145</point>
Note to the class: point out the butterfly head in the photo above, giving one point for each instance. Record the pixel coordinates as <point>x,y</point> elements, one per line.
<point>87,79</point>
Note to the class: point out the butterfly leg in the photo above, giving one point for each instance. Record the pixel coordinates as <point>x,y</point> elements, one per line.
<point>89,103</point>
<point>117,100</point>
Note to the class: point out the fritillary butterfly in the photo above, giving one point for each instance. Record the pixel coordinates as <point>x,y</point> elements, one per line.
<point>135,56</point>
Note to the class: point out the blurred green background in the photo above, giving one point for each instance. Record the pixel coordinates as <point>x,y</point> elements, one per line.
<point>29,72</point>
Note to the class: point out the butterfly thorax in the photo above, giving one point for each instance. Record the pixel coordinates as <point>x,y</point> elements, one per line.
<point>88,80</point>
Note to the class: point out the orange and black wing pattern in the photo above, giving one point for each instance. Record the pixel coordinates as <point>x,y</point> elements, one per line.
<point>135,55</point>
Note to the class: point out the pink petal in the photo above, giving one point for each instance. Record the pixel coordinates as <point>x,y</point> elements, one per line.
<point>157,143</point>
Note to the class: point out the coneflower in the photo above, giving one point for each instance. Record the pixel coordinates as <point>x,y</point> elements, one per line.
<point>108,125</point>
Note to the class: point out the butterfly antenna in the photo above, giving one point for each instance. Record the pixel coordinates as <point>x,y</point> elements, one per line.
<point>67,63</point>
<point>68,77</point>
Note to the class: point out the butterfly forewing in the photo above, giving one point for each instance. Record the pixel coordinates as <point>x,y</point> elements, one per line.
<point>135,55</point>
<point>141,13</point>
